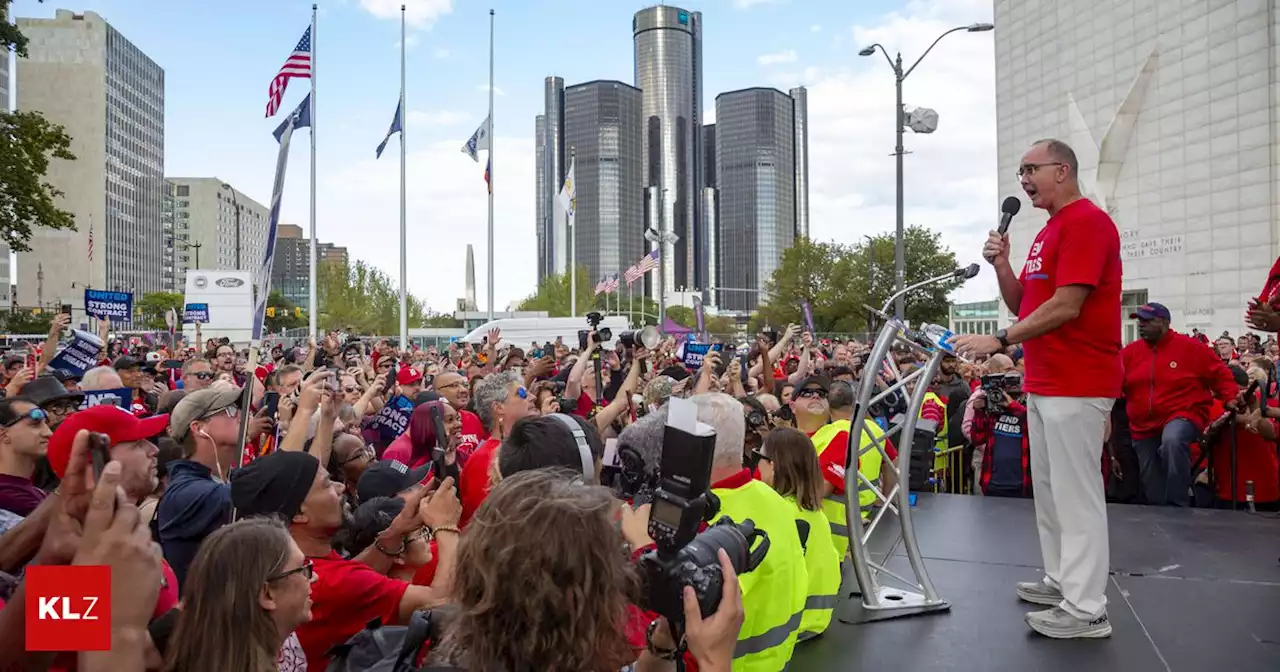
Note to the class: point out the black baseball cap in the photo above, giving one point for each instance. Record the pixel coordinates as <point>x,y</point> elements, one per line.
<point>819,381</point>
<point>388,478</point>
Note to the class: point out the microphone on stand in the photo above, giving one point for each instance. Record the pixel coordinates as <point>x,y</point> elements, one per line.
<point>967,272</point>
<point>1008,209</point>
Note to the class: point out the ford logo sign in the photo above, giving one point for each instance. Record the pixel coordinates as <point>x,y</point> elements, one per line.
<point>201,282</point>
<point>230,282</point>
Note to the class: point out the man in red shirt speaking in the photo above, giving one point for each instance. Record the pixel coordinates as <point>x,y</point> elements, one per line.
<point>1170,381</point>
<point>1068,303</point>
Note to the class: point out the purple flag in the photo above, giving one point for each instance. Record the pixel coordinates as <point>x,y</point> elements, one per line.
<point>697,315</point>
<point>808,317</point>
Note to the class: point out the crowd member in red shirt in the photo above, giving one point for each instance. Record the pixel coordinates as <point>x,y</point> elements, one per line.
<point>501,400</point>
<point>1263,312</point>
<point>348,594</point>
<point>1068,303</point>
<point>1255,444</point>
<point>1170,381</point>
<point>454,389</point>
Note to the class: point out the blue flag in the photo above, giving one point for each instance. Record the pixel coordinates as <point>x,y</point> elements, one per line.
<point>299,118</point>
<point>397,126</point>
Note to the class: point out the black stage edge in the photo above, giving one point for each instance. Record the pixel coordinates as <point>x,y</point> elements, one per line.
<point>1190,589</point>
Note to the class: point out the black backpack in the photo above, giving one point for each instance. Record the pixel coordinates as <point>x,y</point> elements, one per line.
<point>386,648</point>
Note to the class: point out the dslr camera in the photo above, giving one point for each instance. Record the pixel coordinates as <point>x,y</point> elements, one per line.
<point>682,502</point>
<point>997,385</point>
<point>600,335</point>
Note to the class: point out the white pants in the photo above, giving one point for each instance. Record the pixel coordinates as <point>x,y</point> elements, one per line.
<point>1066,435</point>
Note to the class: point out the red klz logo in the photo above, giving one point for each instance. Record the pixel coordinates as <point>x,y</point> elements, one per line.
<point>68,608</point>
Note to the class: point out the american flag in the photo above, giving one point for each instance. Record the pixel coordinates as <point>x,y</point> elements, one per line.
<point>646,264</point>
<point>611,284</point>
<point>601,285</point>
<point>91,242</point>
<point>297,65</point>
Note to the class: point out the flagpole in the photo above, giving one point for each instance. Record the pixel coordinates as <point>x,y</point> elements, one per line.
<point>492,168</point>
<point>311,295</point>
<point>573,252</point>
<point>404,314</point>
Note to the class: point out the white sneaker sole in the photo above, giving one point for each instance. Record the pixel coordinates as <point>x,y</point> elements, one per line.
<point>1039,598</point>
<point>1092,632</point>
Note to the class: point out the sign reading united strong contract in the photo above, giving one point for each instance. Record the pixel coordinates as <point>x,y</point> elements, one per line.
<point>108,305</point>
<point>68,608</point>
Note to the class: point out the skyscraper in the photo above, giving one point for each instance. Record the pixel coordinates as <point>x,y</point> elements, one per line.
<point>668,70</point>
<point>554,167</point>
<point>801,98</point>
<point>83,74</point>
<point>602,132</point>
<point>756,189</point>
<point>543,224</point>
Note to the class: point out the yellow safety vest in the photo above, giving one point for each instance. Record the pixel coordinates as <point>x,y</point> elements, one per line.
<point>833,505</point>
<point>774,594</point>
<point>940,444</point>
<point>823,566</point>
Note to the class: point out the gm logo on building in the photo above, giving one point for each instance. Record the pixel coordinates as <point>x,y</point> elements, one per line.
<point>683,18</point>
<point>68,608</point>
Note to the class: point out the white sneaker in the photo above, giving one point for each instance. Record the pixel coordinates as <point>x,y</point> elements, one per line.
<point>1038,592</point>
<point>1059,624</point>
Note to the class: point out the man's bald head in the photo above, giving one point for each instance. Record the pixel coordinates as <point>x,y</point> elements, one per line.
<point>1060,152</point>
<point>999,363</point>
<point>453,387</point>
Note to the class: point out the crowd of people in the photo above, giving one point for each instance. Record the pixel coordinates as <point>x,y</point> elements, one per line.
<point>270,516</point>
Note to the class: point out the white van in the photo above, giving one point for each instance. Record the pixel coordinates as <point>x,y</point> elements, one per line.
<point>521,331</point>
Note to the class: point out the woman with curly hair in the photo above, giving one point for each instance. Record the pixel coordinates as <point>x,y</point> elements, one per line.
<point>542,583</point>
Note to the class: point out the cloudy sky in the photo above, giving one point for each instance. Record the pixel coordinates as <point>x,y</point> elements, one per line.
<point>219,58</point>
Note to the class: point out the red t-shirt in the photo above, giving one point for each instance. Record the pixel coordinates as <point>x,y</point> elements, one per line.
<point>1271,290</point>
<point>1255,461</point>
<point>472,434</point>
<point>427,573</point>
<point>832,462</point>
<point>1078,246</point>
<point>475,479</point>
<point>346,595</point>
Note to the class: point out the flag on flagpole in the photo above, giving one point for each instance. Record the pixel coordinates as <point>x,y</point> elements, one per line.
<point>488,165</point>
<point>478,141</point>
<point>397,125</point>
<point>647,263</point>
<point>297,65</point>
<point>632,274</point>
<point>600,286</point>
<point>569,194</point>
<point>611,284</point>
<point>91,240</point>
<point>301,116</point>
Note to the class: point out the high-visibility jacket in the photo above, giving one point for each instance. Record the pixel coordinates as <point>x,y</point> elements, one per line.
<point>868,463</point>
<point>823,566</point>
<point>773,594</point>
<point>940,444</point>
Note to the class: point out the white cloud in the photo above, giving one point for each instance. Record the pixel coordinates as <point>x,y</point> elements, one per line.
<point>410,42</point>
<point>950,176</point>
<point>417,13</point>
<point>441,53</point>
<point>437,117</point>
<point>787,56</point>
<point>447,208</point>
<point>815,28</point>
<point>497,90</point>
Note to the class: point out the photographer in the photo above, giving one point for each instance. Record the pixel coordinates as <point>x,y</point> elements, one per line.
<point>774,594</point>
<point>1002,452</point>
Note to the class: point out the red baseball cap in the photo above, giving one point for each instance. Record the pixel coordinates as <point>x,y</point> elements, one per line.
<point>118,424</point>
<point>408,376</point>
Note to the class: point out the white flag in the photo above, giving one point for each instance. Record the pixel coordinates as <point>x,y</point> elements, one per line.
<point>479,140</point>
<point>569,195</point>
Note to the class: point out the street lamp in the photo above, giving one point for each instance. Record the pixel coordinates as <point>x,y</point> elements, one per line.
<point>235,204</point>
<point>659,239</point>
<point>900,123</point>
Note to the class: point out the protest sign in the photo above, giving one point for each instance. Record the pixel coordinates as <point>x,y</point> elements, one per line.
<point>808,316</point>
<point>694,353</point>
<point>79,354</point>
<point>122,397</point>
<point>101,304</point>
<point>195,313</point>
<point>392,420</point>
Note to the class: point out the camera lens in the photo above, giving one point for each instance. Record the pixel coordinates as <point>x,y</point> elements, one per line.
<point>605,334</point>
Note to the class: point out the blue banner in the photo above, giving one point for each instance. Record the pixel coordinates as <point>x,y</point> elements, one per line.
<point>122,397</point>
<point>694,353</point>
<point>79,354</point>
<point>195,313</point>
<point>392,420</point>
<point>117,306</point>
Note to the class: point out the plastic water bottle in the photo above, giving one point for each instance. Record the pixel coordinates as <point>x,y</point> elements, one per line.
<point>939,336</point>
<point>1248,497</point>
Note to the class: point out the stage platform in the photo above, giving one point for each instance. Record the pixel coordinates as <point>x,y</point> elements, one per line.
<point>1190,589</point>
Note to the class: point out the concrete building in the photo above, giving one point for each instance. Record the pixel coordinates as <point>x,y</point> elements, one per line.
<point>603,132</point>
<point>801,97</point>
<point>980,317</point>
<point>229,227</point>
<point>668,70</point>
<point>756,190</point>
<point>1173,113</point>
<point>83,74</point>
<point>291,269</point>
<point>542,217</point>
<point>552,164</point>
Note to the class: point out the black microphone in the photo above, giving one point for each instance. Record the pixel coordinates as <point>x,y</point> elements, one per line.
<point>967,272</point>
<point>1008,209</point>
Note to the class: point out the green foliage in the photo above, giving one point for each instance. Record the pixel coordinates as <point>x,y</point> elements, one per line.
<point>150,309</point>
<point>361,299</point>
<point>27,142</point>
<point>717,325</point>
<point>286,314</point>
<point>441,321</point>
<point>838,280</point>
<point>27,322</point>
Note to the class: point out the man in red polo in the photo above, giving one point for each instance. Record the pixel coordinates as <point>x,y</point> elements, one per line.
<point>1170,382</point>
<point>1068,303</point>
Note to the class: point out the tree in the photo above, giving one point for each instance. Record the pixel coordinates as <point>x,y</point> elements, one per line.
<point>838,280</point>
<point>716,325</point>
<point>553,297</point>
<point>27,142</point>
<point>285,315</point>
<point>362,299</point>
<point>28,322</point>
<point>441,321</point>
<point>151,308</point>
